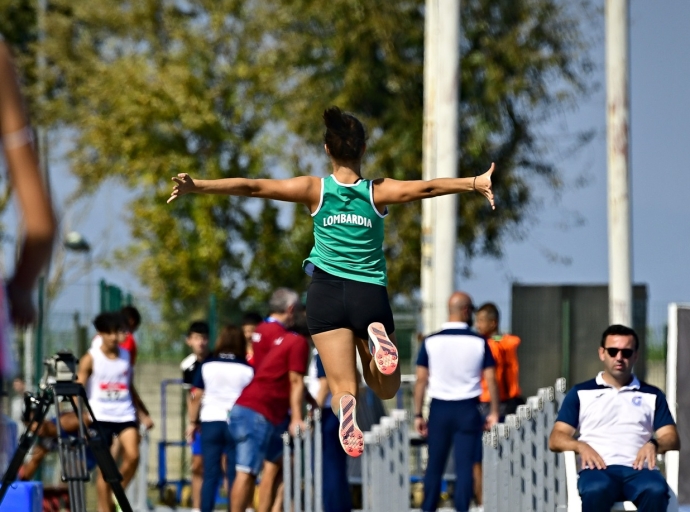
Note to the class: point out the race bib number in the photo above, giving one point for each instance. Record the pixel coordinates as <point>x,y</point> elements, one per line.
<point>113,392</point>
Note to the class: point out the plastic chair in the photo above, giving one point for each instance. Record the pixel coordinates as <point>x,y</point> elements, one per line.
<point>672,461</point>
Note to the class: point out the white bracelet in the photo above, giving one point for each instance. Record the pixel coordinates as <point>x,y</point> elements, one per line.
<point>18,138</point>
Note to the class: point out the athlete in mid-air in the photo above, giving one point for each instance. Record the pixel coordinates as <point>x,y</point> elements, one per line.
<point>347,301</point>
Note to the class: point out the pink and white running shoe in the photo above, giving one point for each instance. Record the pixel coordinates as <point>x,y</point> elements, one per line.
<point>351,437</point>
<point>382,349</point>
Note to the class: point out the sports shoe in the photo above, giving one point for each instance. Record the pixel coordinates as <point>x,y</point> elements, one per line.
<point>351,437</point>
<point>118,508</point>
<point>382,349</point>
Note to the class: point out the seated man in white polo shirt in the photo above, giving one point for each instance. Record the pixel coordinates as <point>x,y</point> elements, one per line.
<point>623,424</point>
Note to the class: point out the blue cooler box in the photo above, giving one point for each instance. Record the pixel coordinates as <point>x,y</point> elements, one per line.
<point>23,496</point>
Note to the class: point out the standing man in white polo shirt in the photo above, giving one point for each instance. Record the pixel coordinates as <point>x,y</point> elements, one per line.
<point>623,425</point>
<point>452,363</point>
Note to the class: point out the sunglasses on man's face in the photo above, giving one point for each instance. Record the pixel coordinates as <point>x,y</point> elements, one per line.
<point>613,352</point>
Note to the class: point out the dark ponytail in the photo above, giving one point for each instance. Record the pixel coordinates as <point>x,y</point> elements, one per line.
<point>344,136</point>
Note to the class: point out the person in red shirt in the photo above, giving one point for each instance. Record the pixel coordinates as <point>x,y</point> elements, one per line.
<point>132,319</point>
<point>257,418</point>
<point>250,321</point>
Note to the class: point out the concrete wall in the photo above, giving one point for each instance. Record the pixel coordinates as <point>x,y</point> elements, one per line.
<point>147,379</point>
<point>560,327</point>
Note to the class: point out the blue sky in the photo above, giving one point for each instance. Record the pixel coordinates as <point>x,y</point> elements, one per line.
<point>660,130</point>
<point>660,135</point>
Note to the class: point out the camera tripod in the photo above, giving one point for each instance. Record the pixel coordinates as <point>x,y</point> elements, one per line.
<point>58,385</point>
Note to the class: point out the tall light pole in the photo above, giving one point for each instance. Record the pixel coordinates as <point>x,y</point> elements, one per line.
<point>618,149</point>
<point>440,156</point>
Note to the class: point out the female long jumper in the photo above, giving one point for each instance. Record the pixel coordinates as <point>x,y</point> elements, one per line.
<point>347,301</point>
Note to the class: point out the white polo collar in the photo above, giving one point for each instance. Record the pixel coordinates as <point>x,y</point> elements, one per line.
<point>634,384</point>
<point>454,325</point>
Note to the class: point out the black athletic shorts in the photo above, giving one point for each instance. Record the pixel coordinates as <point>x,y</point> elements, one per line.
<point>111,429</point>
<point>335,302</point>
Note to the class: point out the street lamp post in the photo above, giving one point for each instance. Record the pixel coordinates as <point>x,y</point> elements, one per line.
<point>75,241</point>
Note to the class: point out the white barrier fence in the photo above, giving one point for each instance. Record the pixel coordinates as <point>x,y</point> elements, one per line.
<point>385,466</point>
<point>519,471</point>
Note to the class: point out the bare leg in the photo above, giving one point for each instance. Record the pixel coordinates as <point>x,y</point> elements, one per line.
<point>105,500</point>
<point>116,449</point>
<point>337,351</point>
<point>278,502</point>
<point>242,492</point>
<point>477,474</point>
<point>267,487</point>
<point>385,386</point>
<point>30,466</point>
<point>129,441</point>
<point>197,480</point>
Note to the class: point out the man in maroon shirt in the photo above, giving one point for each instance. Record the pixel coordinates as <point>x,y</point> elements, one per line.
<point>281,359</point>
<point>283,305</point>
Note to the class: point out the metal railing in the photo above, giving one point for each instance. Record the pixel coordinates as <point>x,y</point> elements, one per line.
<point>385,465</point>
<point>302,468</point>
<point>519,471</point>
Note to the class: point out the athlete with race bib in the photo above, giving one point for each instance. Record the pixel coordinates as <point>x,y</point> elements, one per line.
<point>106,372</point>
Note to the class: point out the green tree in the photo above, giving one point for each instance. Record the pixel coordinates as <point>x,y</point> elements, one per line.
<point>236,88</point>
<point>18,23</point>
<point>522,61</point>
<point>153,89</point>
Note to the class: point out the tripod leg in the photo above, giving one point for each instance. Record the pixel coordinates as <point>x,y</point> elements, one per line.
<point>25,442</point>
<point>109,470</point>
<point>104,459</point>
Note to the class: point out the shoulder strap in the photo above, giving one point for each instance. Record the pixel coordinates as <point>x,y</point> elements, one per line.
<point>323,187</point>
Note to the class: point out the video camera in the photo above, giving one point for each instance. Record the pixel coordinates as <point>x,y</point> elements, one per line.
<point>62,367</point>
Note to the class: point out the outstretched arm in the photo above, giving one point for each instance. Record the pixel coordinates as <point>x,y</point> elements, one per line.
<point>36,209</point>
<point>388,191</point>
<point>303,189</point>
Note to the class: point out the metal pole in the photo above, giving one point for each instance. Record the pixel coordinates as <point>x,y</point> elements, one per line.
<point>618,148</point>
<point>103,292</point>
<point>318,462</point>
<point>287,474</point>
<point>212,320</point>
<point>369,438</point>
<point>439,221</point>
<point>88,295</point>
<point>40,331</point>
<point>429,164</point>
<point>29,357</point>
<point>297,470</point>
<point>308,467</point>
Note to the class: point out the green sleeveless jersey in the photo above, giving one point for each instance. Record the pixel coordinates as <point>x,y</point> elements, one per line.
<point>348,232</point>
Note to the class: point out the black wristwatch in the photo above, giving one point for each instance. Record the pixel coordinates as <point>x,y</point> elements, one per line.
<point>419,415</point>
<point>655,443</point>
